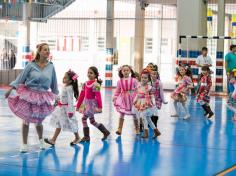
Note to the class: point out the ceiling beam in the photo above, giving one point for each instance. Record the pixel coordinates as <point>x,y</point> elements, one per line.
<point>164,2</point>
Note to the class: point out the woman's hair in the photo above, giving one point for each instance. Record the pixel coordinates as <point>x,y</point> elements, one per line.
<point>74,82</point>
<point>39,48</point>
<point>95,71</point>
<point>146,71</point>
<point>133,75</point>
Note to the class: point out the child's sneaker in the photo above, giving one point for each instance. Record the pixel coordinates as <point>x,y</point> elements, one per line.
<point>41,144</point>
<point>186,117</point>
<point>24,148</point>
<point>174,115</point>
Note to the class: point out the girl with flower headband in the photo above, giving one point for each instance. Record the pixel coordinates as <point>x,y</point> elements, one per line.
<point>90,103</point>
<point>182,91</point>
<point>157,91</point>
<point>34,101</point>
<point>144,103</point>
<point>124,96</point>
<point>63,118</point>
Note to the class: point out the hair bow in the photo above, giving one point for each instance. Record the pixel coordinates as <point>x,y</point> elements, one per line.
<point>75,77</point>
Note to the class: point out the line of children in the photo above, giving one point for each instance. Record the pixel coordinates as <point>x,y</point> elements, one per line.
<point>139,100</point>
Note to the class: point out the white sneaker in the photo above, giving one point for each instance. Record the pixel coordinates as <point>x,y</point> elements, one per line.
<point>186,117</point>
<point>174,115</point>
<point>24,148</point>
<point>42,145</point>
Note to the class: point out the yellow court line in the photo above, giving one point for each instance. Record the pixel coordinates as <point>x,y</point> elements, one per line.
<point>226,171</point>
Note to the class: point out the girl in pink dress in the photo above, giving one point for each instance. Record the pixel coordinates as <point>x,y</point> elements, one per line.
<point>124,96</point>
<point>90,103</point>
<point>203,97</point>
<point>144,103</point>
<point>181,92</point>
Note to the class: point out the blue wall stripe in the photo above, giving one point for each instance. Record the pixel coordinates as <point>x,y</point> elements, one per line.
<point>209,18</point>
<point>234,24</point>
<point>108,83</point>
<point>25,49</point>
<point>108,67</point>
<point>219,71</point>
<point>219,88</point>
<point>219,55</point>
<point>195,71</point>
<point>191,54</point>
<point>109,51</point>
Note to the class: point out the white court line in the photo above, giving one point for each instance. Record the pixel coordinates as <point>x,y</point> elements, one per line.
<point>27,153</point>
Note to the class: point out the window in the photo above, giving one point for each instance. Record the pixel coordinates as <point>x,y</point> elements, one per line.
<point>101,43</point>
<point>148,45</point>
<point>84,43</point>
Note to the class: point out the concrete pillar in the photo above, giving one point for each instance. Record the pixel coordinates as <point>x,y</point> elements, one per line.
<point>139,37</point>
<point>24,54</point>
<point>109,43</point>
<point>191,20</point>
<point>220,46</point>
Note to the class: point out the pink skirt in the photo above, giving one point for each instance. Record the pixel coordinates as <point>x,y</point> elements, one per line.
<point>124,103</point>
<point>31,105</point>
<point>89,107</point>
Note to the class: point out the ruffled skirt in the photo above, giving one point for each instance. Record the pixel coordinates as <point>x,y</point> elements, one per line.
<point>124,103</point>
<point>89,107</point>
<point>31,105</point>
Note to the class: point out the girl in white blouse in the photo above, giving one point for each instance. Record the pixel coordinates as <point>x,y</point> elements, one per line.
<point>63,118</point>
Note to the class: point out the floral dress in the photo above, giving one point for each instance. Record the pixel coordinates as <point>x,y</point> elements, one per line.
<point>144,102</point>
<point>204,90</point>
<point>182,89</point>
<point>65,106</point>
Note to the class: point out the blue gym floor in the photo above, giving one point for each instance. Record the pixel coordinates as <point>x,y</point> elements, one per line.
<point>193,147</point>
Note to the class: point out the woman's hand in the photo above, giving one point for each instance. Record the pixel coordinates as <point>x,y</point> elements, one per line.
<point>8,92</point>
